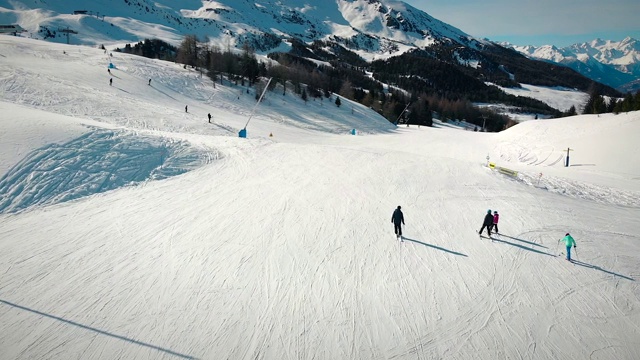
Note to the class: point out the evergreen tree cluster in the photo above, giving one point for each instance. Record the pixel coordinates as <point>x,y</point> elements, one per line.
<point>597,104</point>
<point>151,48</point>
<point>451,89</point>
<point>215,62</point>
<point>348,76</point>
<point>418,84</point>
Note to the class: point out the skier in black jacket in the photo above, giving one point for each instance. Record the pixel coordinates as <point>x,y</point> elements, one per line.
<point>398,220</point>
<point>488,223</point>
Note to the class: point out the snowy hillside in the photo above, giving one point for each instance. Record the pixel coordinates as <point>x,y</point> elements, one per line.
<point>557,97</point>
<point>131,229</point>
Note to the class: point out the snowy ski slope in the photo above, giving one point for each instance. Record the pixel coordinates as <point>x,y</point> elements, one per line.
<point>131,229</point>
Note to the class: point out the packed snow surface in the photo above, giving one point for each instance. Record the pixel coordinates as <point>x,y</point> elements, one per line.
<point>133,229</point>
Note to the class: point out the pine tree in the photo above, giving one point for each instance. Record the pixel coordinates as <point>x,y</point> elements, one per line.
<point>346,90</point>
<point>600,106</point>
<point>571,111</point>
<point>188,51</point>
<point>250,68</point>
<point>627,104</point>
<point>595,104</point>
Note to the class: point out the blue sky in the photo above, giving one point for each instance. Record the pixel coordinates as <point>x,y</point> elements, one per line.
<point>538,22</point>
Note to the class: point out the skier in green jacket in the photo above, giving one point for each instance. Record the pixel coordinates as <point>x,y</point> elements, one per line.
<point>568,241</point>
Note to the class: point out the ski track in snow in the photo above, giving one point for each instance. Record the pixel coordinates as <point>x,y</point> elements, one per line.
<point>578,189</point>
<point>98,161</point>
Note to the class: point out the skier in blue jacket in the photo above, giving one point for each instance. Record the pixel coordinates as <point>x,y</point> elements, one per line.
<point>568,241</point>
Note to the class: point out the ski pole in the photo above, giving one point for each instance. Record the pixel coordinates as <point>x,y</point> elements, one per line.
<point>576,250</point>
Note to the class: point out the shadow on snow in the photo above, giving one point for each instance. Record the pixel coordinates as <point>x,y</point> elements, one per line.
<point>435,247</point>
<point>583,264</point>
<point>133,341</point>
<point>163,93</point>
<point>524,241</point>
<point>521,246</point>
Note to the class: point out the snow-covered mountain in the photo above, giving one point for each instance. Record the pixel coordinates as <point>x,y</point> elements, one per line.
<point>623,55</point>
<point>371,26</point>
<point>372,29</point>
<point>614,63</point>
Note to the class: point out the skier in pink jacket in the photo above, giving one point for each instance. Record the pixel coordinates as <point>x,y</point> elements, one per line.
<point>496,217</point>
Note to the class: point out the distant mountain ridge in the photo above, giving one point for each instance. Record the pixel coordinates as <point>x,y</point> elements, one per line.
<point>400,45</point>
<point>614,63</point>
<point>382,27</point>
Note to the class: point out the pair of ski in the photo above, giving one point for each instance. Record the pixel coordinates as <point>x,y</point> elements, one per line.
<point>482,236</point>
<point>565,257</point>
<point>399,238</point>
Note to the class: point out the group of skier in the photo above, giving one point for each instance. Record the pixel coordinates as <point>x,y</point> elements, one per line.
<point>490,223</point>
<point>186,107</point>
